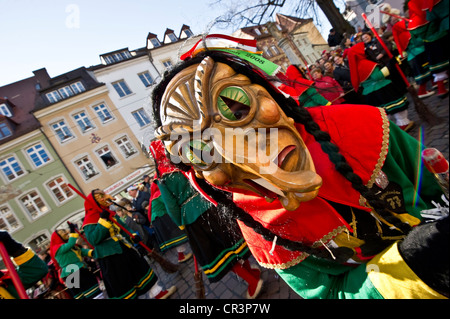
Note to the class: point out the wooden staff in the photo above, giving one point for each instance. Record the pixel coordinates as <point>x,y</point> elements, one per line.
<point>12,272</point>
<point>421,109</point>
<point>199,286</point>
<point>396,16</point>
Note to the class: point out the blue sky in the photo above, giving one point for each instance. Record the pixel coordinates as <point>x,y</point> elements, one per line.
<point>62,35</point>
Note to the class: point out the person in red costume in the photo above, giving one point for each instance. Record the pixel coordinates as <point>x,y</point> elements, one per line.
<point>328,87</point>
<point>429,21</point>
<point>414,50</point>
<point>378,87</point>
<point>321,196</point>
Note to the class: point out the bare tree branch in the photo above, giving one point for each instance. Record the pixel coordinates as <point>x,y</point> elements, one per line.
<point>256,12</point>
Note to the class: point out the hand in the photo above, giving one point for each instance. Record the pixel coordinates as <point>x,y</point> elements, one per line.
<point>135,238</point>
<point>105,214</point>
<point>72,228</point>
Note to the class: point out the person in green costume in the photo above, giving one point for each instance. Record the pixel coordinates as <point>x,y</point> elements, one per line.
<point>68,257</point>
<point>30,267</point>
<point>429,21</point>
<point>125,273</point>
<point>379,88</point>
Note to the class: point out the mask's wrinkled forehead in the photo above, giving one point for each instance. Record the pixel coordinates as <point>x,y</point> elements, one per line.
<point>184,104</point>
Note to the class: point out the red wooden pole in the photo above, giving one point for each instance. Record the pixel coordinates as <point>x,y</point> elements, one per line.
<point>12,272</point>
<point>388,52</point>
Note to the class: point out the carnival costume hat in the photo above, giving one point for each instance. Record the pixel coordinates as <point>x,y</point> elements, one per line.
<point>417,14</point>
<point>95,203</point>
<point>360,67</point>
<point>401,36</point>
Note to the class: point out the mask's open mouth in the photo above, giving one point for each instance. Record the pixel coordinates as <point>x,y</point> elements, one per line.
<point>287,183</point>
<point>284,155</point>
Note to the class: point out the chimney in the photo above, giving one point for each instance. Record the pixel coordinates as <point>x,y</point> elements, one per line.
<point>42,77</point>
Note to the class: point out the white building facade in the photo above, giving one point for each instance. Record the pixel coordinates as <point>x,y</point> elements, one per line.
<point>129,76</point>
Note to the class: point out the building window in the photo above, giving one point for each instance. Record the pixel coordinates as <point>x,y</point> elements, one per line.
<point>11,168</point>
<point>38,243</point>
<point>167,63</point>
<point>257,31</point>
<point>38,155</point>
<point>60,189</point>
<point>267,52</point>
<point>5,131</point>
<point>65,92</point>
<point>146,78</point>
<point>107,157</point>
<point>34,204</point>
<point>62,131</point>
<point>8,220</point>
<point>53,97</point>
<point>188,32</point>
<point>77,87</point>
<point>103,112</point>
<point>5,110</point>
<point>141,117</point>
<point>83,121</point>
<point>121,88</point>
<point>155,42</point>
<point>275,50</point>
<point>172,37</point>
<point>86,168</point>
<point>116,57</point>
<point>125,146</point>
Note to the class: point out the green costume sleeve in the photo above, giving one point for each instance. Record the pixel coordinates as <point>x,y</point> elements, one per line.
<point>170,203</point>
<point>315,278</point>
<point>375,82</point>
<point>96,233</point>
<point>158,208</point>
<point>312,98</point>
<point>404,166</point>
<point>30,268</point>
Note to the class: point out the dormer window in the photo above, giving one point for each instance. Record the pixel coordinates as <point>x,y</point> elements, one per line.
<point>155,42</point>
<point>5,110</point>
<point>65,92</point>
<point>53,97</point>
<point>172,37</point>
<point>188,32</point>
<point>116,57</point>
<point>5,130</point>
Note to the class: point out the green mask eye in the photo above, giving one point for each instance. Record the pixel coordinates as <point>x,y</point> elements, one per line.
<point>193,151</point>
<point>233,103</point>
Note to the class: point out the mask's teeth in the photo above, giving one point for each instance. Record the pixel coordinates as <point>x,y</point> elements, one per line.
<point>269,186</point>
